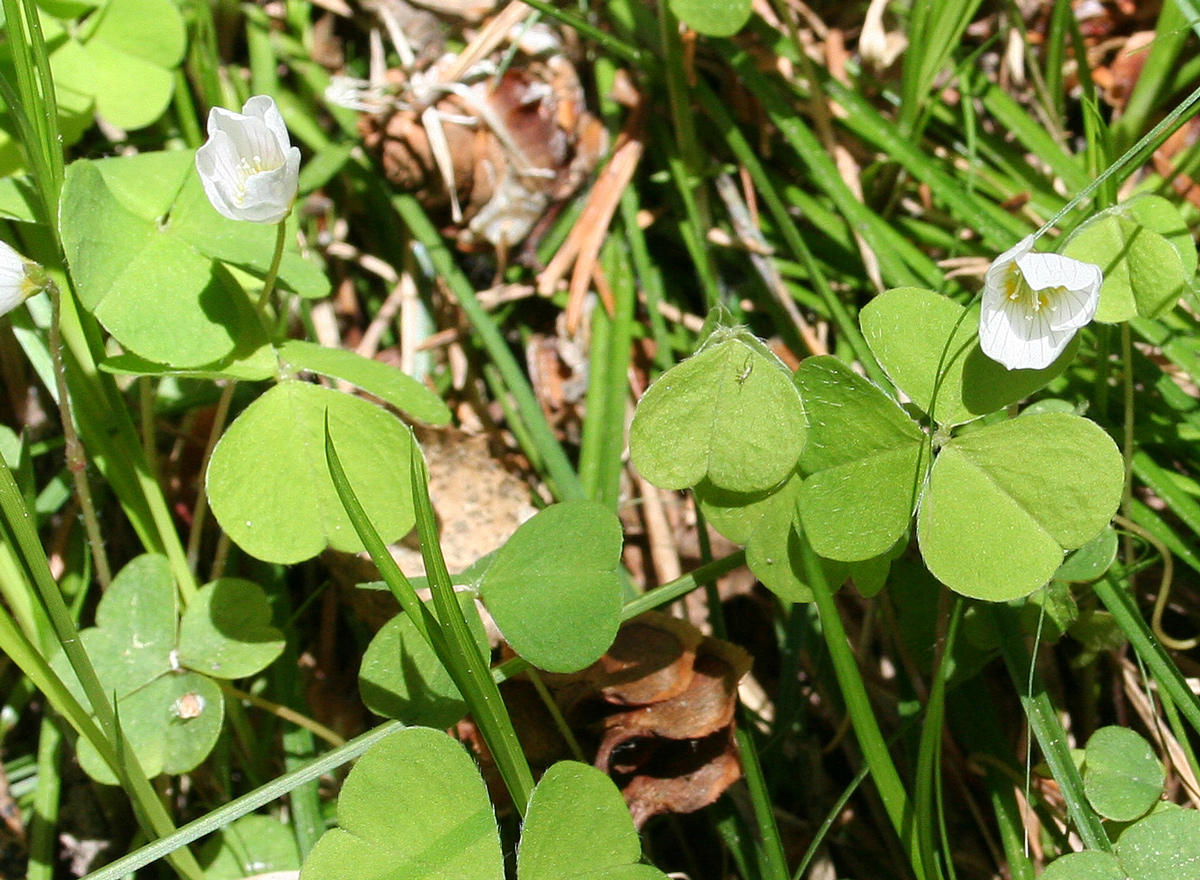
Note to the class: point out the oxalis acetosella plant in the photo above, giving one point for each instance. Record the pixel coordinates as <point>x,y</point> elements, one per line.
<point>846,467</point>
<point>951,447</point>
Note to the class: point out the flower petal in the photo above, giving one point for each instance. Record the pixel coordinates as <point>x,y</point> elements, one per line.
<point>15,286</point>
<point>1043,271</point>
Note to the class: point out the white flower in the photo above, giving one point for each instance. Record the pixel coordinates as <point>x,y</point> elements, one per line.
<point>248,166</point>
<point>1033,304</point>
<point>19,279</point>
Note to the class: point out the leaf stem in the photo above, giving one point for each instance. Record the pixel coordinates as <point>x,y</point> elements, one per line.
<point>200,510</point>
<point>1128,447</point>
<point>287,714</point>
<point>862,715</point>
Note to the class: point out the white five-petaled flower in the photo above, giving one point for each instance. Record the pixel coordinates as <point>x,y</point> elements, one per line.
<point>1033,304</point>
<point>248,165</point>
<point>19,279</point>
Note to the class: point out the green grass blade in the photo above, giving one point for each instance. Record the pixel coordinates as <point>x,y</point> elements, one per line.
<point>935,28</point>
<point>774,861</point>
<point>1160,481</point>
<point>607,41</point>
<point>687,162</point>
<point>929,751</point>
<point>1191,10</point>
<point>603,442</point>
<point>649,278</point>
<point>677,589</point>
<point>862,715</point>
<point>244,805</point>
<point>35,104</point>
<point>1047,729</point>
<point>1121,605</point>
<point>43,833</point>
<point>879,235</point>
<point>15,646</point>
<point>462,659</point>
<point>124,763</point>
<point>977,722</point>
<point>998,229</point>
<point>1163,57</point>
<point>395,579</point>
<point>1033,136</point>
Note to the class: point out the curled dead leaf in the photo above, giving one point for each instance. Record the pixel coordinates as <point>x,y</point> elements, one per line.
<point>659,707</point>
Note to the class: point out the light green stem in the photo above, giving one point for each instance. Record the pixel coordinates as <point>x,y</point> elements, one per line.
<point>108,432</point>
<point>269,282</point>
<point>1128,448</point>
<point>862,715</point>
<point>200,510</point>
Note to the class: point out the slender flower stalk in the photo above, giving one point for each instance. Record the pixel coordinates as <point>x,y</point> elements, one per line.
<point>269,282</point>
<point>76,459</point>
<point>1033,304</point>
<point>19,280</point>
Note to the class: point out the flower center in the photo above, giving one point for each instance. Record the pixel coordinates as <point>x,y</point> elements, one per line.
<point>247,167</point>
<point>1017,290</point>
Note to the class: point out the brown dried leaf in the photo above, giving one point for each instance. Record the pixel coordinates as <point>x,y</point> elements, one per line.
<point>683,780</point>
<point>669,744</point>
<point>651,660</point>
<point>706,706</point>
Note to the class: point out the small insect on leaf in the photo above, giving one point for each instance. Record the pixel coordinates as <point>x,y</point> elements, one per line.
<point>188,706</point>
